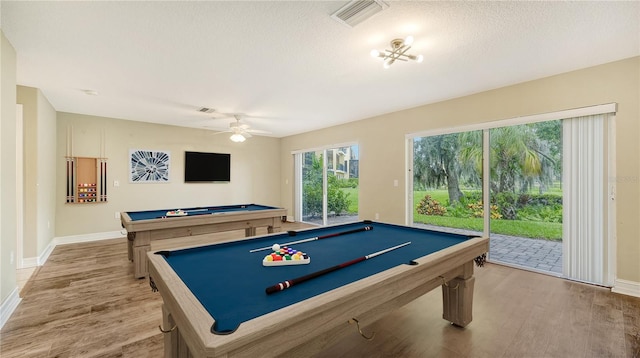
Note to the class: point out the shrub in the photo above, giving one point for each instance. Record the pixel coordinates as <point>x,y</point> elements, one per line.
<point>549,213</point>
<point>458,210</point>
<point>507,202</point>
<point>352,183</point>
<point>337,200</point>
<point>477,211</point>
<point>430,206</point>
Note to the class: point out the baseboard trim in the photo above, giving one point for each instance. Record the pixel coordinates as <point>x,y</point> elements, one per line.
<point>8,306</point>
<point>75,239</point>
<point>45,254</point>
<point>29,262</point>
<point>626,287</point>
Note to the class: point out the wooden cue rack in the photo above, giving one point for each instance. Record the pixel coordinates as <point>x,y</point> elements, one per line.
<point>86,180</point>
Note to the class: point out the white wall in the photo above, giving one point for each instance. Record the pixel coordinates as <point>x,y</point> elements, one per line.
<point>8,226</point>
<point>39,167</point>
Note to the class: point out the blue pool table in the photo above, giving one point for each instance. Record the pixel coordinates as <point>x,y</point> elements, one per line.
<point>215,302</point>
<point>144,226</point>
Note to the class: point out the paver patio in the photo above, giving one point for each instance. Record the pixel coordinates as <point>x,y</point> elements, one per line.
<point>538,254</point>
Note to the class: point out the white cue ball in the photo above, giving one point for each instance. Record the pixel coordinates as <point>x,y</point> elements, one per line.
<point>275,247</point>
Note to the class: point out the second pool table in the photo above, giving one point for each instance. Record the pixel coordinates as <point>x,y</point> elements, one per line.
<point>215,304</point>
<point>144,226</point>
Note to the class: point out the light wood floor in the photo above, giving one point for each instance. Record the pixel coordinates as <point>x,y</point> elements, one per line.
<point>84,302</point>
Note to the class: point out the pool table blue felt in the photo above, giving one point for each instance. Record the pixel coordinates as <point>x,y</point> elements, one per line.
<point>155,214</point>
<point>230,282</point>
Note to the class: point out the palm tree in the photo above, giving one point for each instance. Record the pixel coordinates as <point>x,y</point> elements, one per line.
<point>518,155</point>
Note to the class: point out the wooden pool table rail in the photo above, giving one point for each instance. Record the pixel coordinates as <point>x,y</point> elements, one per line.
<point>311,325</point>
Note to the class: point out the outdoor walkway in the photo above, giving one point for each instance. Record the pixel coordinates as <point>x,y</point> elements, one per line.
<point>537,254</point>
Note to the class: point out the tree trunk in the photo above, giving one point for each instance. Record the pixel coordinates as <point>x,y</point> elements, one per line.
<point>453,184</point>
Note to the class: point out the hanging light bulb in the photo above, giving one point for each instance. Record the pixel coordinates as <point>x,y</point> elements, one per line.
<point>237,137</point>
<point>408,41</point>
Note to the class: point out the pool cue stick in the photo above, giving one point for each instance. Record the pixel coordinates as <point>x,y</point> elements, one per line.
<point>177,216</point>
<point>366,228</point>
<point>102,182</point>
<point>286,284</point>
<point>68,182</point>
<point>194,210</point>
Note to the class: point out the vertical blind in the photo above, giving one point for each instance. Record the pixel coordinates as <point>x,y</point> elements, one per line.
<point>584,203</point>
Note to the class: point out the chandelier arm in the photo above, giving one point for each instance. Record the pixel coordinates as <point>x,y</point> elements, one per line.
<point>404,49</point>
<point>395,56</point>
<point>398,52</point>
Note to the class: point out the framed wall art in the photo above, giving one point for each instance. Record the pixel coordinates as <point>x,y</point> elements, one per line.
<point>149,166</point>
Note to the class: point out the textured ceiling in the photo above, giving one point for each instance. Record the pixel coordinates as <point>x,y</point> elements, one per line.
<point>288,65</point>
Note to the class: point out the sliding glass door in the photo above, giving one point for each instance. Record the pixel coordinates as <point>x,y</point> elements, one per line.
<point>536,186</point>
<point>312,187</point>
<point>526,195</point>
<point>328,185</point>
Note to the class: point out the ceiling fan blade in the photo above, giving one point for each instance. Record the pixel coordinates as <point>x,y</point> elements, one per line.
<point>257,131</point>
<point>219,129</point>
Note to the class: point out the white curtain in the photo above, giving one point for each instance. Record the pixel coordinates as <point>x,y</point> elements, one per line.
<point>584,202</point>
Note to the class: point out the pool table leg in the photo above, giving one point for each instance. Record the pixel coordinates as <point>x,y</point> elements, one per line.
<point>170,338</point>
<point>457,297</point>
<point>174,345</point>
<point>130,238</point>
<point>141,244</point>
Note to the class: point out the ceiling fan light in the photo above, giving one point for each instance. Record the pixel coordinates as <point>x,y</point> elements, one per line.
<point>375,53</point>
<point>237,137</point>
<point>419,58</point>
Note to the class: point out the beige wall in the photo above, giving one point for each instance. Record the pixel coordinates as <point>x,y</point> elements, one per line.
<point>255,170</point>
<point>39,167</point>
<point>381,141</point>
<point>46,184</point>
<point>8,226</point>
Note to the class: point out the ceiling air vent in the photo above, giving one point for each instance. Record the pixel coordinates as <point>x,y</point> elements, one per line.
<point>206,110</point>
<point>357,11</point>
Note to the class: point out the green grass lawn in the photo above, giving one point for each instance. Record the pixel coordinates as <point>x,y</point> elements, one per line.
<point>353,196</point>
<point>522,228</point>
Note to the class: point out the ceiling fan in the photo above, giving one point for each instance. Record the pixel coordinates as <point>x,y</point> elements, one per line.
<point>239,129</point>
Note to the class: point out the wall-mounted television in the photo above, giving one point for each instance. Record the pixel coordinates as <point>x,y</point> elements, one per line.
<point>207,167</point>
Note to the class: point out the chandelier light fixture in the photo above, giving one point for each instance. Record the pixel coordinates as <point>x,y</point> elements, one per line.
<point>398,51</point>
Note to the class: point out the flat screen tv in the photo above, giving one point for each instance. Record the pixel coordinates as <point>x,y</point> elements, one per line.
<point>207,167</point>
